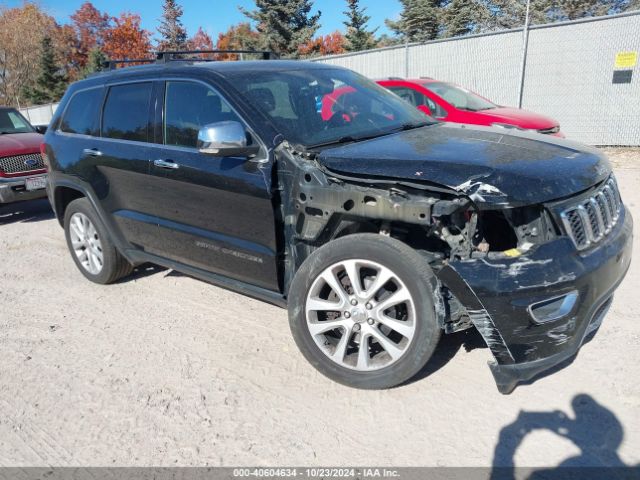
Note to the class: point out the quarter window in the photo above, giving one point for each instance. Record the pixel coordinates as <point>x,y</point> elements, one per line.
<point>188,107</point>
<point>126,112</point>
<point>81,116</point>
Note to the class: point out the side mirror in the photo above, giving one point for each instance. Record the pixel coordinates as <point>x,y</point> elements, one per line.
<point>424,109</point>
<point>225,139</point>
<point>41,129</point>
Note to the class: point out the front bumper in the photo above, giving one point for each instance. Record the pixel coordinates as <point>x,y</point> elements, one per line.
<point>13,189</point>
<point>498,293</point>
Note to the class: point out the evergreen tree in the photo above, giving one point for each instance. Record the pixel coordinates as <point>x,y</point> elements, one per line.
<point>284,25</point>
<point>420,20</point>
<point>174,35</point>
<point>358,37</point>
<point>95,62</point>
<point>463,17</point>
<point>50,83</point>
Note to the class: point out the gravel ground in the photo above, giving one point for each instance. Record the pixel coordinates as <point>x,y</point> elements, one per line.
<point>164,370</point>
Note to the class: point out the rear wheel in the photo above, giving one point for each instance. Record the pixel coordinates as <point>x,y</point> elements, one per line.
<point>92,251</point>
<point>362,311</point>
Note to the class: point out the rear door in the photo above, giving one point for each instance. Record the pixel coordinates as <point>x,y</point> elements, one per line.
<point>122,156</point>
<point>214,213</point>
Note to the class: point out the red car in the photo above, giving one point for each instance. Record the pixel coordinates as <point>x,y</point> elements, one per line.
<point>451,103</point>
<point>22,171</point>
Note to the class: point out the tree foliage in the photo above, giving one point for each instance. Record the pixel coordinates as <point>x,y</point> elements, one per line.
<point>22,30</point>
<point>95,62</point>
<point>89,25</point>
<point>127,39</point>
<point>358,36</point>
<point>174,35</point>
<point>420,20</point>
<point>331,44</point>
<point>50,83</point>
<point>284,25</point>
<point>238,37</point>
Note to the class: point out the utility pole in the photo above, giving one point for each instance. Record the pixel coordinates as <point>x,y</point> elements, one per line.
<point>525,45</point>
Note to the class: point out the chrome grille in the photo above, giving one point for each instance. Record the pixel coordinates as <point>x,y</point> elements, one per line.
<point>21,163</point>
<point>593,218</point>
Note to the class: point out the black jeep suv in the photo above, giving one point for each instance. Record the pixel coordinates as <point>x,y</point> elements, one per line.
<point>379,227</point>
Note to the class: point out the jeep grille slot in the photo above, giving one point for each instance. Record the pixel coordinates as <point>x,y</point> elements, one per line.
<point>21,163</point>
<point>592,219</point>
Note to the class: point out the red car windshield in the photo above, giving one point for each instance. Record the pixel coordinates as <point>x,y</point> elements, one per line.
<point>459,97</point>
<point>12,122</point>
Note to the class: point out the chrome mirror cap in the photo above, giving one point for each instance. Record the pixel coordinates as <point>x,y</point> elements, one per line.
<point>224,139</point>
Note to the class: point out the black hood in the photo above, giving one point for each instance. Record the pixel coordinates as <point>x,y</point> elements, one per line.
<point>491,166</point>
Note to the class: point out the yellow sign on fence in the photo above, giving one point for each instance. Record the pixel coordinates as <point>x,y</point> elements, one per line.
<point>626,59</point>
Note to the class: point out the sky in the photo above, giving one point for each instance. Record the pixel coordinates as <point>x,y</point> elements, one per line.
<point>214,16</point>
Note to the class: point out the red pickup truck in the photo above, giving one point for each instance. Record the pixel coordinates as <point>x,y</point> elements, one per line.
<point>22,170</point>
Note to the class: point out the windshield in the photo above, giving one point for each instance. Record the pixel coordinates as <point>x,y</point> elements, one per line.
<point>317,107</point>
<point>12,122</point>
<point>460,97</point>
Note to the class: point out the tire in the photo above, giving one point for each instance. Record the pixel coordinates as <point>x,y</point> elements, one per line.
<point>315,303</point>
<point>86,233</point>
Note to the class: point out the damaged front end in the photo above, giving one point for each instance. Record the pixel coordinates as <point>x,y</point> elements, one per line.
<point>512,271</point>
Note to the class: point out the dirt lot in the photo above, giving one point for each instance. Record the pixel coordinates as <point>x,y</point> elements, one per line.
<point>163,369</point>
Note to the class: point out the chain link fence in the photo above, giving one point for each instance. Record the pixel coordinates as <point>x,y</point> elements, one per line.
<point>583,73</point>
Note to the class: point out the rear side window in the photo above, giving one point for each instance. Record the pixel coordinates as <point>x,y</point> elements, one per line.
<point>126,112</point>
<point>82,114</point>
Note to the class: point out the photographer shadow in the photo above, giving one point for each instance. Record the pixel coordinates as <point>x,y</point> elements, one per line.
<point>595,430</point>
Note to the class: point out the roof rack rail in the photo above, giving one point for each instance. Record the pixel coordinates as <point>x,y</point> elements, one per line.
<point>162,57</point>
<point>111,64</point>
<point>167,56</point>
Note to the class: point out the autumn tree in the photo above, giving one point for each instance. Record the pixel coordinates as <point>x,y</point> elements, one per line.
<point>90,26</point>
<point>200,41</point>
<point>237,37</point>
<point>51,83</point>
<point>21,32</point>
<point>284,25</point>
<point>174,35</point>
<point>358,36</point>
<point>331,44</point>
<point>126,39</point>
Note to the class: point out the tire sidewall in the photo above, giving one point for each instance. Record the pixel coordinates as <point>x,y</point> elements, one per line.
<point>412,270</point>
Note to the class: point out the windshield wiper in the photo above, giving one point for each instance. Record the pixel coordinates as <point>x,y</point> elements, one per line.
<point>345,139</point>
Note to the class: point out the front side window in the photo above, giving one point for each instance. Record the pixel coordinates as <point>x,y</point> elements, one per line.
<point>407,94</point>
<point>126,112</point>
<point>82,114</point>
<point>320,106</point>
<point>12,122</point>
<point>188,107</point>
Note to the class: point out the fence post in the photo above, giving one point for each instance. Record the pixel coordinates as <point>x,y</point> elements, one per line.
<point>406,58</point>
<point>525,46</point>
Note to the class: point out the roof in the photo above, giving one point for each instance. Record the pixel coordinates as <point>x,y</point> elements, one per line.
<point>249,66</point>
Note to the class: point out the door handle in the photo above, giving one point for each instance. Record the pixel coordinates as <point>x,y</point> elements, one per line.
<point>92,152</point>
<point>168,164</point>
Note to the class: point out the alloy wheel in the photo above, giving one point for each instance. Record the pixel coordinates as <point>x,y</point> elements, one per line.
<point>86,243</point>
<point>361,315</point>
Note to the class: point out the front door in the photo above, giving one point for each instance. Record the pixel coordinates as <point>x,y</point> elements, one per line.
<point>214,213</point>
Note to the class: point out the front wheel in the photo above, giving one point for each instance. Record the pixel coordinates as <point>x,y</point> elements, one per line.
<point>361,310</point>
